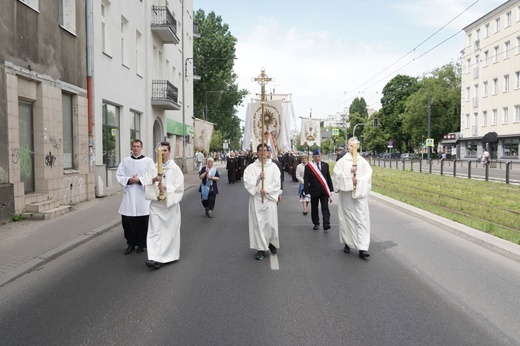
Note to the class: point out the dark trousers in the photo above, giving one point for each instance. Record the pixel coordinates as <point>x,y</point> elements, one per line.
<point>210,202</point>
<point>135,229</point>
<point>324,201</point>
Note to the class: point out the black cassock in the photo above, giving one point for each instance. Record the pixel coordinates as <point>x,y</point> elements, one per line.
<point>231,166</point>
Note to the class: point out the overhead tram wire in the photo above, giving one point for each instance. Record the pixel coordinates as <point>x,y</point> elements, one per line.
<point>413,50</point>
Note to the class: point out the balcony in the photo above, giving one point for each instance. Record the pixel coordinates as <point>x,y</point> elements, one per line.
<point>196,32</point>
<point>164,24</point>
<point>165,95</point>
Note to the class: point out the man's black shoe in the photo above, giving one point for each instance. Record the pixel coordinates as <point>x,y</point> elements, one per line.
<point>139,249</point>
<point>326,226</point>
<point>316,227</point>
<point>129,249</point>
<point>260,255</point>
<point>346,249</point>
<point>153,264</point>
<point>363,254</point>
<point>273,249</point>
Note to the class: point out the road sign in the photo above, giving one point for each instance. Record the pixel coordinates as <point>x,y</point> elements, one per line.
<point>429,142</point>
<point>390,144</point>
<point>335,132</point>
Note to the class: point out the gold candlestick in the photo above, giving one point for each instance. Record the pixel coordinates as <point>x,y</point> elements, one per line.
<point>160,172</point>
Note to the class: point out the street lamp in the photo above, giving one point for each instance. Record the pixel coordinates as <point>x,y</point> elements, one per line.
<point>207,92</point>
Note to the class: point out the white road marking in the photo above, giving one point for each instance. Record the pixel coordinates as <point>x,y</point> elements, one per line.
<point>274,262</point>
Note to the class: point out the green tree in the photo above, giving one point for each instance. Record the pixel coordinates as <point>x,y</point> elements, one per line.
<point>442,86</point>
<point>395,94</point>
<point>359,106</point>
<point>213,57</point>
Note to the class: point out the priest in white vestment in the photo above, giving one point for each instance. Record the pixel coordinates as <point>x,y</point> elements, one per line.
<point>164,227</point>
<point>354,184</point>
<point>134,208</point>
<point>263,215</point>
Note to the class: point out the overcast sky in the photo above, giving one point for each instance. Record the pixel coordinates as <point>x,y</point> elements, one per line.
<point>326,53</point>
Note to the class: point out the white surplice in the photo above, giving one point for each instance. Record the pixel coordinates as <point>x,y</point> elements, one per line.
<point>263,217</point>
<point>133,203</point>
<point>164,227</point>
<point>353,212</point>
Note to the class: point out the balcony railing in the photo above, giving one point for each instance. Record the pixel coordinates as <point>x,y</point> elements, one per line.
<point>164,24</point>
<point>165,95</point>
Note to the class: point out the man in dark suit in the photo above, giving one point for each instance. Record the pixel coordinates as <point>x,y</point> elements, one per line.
<point>318,183</point>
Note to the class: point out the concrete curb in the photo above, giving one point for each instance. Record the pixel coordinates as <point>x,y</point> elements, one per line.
<point>487,241</point>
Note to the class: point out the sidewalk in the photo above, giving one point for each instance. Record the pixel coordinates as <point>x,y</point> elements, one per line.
<point>28,244</point>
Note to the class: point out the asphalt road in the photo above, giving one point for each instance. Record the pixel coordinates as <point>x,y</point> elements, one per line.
<point>422,286</point>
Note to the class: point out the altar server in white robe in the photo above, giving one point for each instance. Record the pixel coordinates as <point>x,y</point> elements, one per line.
<point>354,184</point>
<point>263,215</point>
<point>164,236</point>
<point>134,208</point>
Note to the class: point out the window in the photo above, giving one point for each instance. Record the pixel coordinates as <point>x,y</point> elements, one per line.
<point>475,124</point>
<point>105,27</point>
<point>486,57</point>
<point>111,155</point>
<point>68,15</point>
<point>485,89</point>
<point>486,30</point>
<point>508,19</point>
<point>124,46</point>
<point>495,86</point>
<point>34,4</point>
<point>484,118</point>
<point>517,80</point>
<point>139,53</point>
<point>511,147</point>
<point>494,121</point>
<point>496,50</point>
<point>505,115</point>
<point>518,45</point>
<point>497,25</point>
<point>517,113</point>
<point>68,131</point>
<point>469,40</point>
<point>467,121</point>
<point>468,66</point>
<point>467,94</point>
<point>507,48</point>
<point>135,126</point>
<point>506,83</point>
<point>471,148</point>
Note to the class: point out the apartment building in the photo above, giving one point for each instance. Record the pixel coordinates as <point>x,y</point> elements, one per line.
<point>44,151</point>
<point>490,95</point>
<point>142,81</point>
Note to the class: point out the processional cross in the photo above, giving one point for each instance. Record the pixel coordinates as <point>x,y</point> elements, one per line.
<point>262,79</point>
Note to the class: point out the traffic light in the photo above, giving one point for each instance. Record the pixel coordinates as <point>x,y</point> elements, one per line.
<point>376,121</point>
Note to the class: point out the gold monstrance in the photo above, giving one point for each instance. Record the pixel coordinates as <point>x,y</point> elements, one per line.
<point>355,147</point>
<point>262,79</point>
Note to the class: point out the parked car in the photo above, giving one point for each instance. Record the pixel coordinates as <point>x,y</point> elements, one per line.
<point>408,156</point>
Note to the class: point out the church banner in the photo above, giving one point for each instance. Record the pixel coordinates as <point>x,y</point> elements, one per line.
<point>202,136</point>
<point>310,132</point>
<point>272,119</point>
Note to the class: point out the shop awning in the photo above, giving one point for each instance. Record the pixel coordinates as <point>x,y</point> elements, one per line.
<point>490,137</point>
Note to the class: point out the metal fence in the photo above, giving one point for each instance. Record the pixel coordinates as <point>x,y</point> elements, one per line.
<point>502,171</point>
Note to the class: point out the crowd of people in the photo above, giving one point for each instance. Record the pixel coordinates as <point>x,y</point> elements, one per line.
<point>150,208</point>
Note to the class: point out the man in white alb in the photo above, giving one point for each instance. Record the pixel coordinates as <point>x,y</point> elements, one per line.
<point>353,183</point>
<point>263,214</point>
<point>134,207</point>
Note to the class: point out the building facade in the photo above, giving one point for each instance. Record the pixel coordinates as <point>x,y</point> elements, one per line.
<point>142,82</point>
<point>44,157</point>
<point>490,95</point>
<point>79,80</point>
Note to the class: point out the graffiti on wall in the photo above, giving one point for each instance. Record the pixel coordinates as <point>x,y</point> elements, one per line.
<point>49,159</point>
<point>73,189</point>
<point>15,155</point>
<point>25,160</point>
<point>55,143</point>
